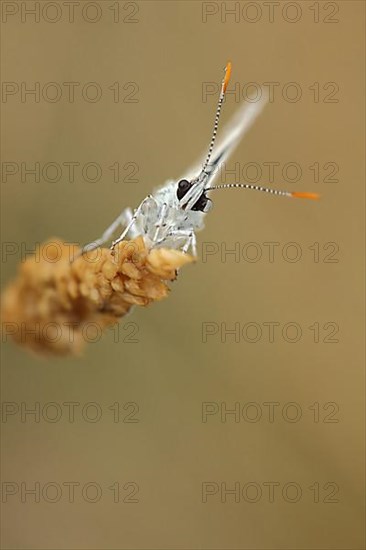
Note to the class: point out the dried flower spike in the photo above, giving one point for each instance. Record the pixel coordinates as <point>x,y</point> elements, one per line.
<point>52,299</point>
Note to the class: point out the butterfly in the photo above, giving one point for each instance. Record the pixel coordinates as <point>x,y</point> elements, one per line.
<point>171,216</point>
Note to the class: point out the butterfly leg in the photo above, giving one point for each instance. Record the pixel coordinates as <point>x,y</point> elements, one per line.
<point>123,219</point>
<point>190,242</point>
<point>187,238</point>
<point>160,222</point>
<point>131,222</point>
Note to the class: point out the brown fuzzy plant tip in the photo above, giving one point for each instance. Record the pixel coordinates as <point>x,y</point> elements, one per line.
<point>54,299</point>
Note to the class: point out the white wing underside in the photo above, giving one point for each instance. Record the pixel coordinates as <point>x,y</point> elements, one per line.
<point>232,134</point>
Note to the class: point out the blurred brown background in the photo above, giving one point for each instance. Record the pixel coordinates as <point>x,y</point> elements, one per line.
<point>168,51</point>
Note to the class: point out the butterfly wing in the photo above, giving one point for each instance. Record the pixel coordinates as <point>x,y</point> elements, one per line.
<point>232,134</point>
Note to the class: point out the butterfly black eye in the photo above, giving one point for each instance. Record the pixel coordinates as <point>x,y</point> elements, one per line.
<point>203,204</point>
<point>183,187</point>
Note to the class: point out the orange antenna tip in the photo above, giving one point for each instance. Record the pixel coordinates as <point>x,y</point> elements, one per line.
<point>302,195</point>
<point>227,76</point>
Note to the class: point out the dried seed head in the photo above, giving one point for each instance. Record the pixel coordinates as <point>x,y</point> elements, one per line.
<point>52,300</point>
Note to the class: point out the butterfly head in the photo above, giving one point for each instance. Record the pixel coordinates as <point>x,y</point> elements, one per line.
<point>192,196</point>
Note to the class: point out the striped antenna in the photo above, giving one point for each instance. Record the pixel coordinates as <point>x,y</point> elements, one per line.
<point>224,85</point>
<point>294,194</point>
